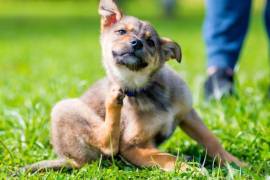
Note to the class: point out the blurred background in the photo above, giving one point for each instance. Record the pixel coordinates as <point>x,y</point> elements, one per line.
<point>46,39</point>
<point>58,37</point>
<point>49,50</point>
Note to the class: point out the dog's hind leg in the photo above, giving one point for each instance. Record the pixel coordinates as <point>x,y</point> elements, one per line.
<point>72,137</point>
<point>78,133</point>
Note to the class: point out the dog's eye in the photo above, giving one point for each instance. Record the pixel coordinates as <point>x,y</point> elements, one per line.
<point>121,32</point>
<point>150,42</point>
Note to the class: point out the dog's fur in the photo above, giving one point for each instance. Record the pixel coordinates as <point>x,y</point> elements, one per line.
<point>136,107</point>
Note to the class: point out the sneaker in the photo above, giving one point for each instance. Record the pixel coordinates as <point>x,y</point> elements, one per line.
<point>219,84</point>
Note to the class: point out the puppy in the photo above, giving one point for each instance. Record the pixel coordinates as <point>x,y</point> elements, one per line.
<point>132,110</point>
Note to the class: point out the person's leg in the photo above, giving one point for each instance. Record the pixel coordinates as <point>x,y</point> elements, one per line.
<point>168,7</point>
<point>267,18</point>
<point>225,27</point>
<point>267,25</point>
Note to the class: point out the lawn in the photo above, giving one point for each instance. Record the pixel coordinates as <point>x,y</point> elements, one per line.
<point>50,51</point>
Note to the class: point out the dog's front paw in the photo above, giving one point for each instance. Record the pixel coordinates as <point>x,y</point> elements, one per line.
<point>115,96</point>
<point>226,157</point>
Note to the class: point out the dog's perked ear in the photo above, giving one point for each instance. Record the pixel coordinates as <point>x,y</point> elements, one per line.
<point>109,12</point>
<point>171,49</point>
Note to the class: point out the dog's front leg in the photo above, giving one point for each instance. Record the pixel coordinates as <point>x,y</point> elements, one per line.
<point>194,127</point>
<point>110,131</point>
<point>149,156</point>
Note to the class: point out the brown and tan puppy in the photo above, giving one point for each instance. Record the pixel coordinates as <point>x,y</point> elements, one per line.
<point>134,108</point>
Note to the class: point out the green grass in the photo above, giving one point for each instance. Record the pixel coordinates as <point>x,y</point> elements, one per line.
<point>50,51</point>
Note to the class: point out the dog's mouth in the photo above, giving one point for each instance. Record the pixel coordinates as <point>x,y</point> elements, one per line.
<point>131,60</point>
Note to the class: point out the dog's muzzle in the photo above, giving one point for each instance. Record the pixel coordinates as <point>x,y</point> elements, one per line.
<point>133,57</point>
<point>132,60</point>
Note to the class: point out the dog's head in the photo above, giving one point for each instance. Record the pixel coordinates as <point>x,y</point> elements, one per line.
<point>132,50</point>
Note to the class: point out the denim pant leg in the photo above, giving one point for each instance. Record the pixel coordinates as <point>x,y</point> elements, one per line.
<point>267,18</point>
<point>225,27</point>
<point>267,26</point>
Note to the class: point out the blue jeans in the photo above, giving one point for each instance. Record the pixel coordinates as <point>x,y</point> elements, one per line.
<point>225,28</point>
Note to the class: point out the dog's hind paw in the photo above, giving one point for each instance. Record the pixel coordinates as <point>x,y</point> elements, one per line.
<point>115,96</point>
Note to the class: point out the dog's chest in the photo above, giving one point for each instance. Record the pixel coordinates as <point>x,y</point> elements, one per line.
<point>140,127</point>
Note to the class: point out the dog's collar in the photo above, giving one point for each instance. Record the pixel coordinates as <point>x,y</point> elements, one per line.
<point>134,93</point>
<point>154,93</point>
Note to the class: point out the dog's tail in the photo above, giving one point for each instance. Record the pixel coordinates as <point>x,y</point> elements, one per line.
<point>57,164</point>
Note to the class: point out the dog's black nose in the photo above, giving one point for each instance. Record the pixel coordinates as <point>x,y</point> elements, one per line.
<point>137,44</point>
